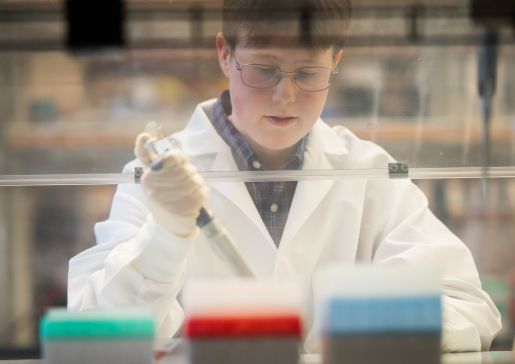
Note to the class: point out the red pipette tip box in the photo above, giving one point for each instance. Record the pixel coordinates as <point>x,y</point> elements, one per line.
<point>203,327</point>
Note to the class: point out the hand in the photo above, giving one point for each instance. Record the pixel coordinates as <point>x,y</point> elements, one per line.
<point>176,192</point>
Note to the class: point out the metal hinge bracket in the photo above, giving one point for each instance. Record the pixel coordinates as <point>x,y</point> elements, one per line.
<point>138,172</point>
<point>398,169</point>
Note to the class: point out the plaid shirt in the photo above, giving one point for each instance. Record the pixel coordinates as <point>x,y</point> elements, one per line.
<point>272,199</point>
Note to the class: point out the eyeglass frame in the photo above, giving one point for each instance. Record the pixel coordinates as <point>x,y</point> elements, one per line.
<point>240,68</point>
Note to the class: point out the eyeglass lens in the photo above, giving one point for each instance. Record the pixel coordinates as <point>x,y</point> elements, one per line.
<point>308,79</point>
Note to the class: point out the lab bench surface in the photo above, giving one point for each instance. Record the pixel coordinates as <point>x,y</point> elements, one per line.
<point>487,357</point>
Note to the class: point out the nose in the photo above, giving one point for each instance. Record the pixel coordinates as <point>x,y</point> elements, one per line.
<point>284,91</point>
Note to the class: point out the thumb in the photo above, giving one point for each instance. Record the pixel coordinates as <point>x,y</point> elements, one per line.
<point>145,155</point>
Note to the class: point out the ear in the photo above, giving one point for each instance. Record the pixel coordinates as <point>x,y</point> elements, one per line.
<point>224,54</point>
<point>338,56</point>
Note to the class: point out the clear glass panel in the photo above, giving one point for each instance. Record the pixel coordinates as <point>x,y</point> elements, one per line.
<point>421,104</point>
<point>41,229</point>
<point>65,114</point>
<point>407,81</point>
<point>412,89</point>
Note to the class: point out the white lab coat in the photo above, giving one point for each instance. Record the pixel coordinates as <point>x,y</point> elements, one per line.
<point>138,263</point>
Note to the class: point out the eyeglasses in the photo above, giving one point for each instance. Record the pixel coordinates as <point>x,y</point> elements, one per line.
<point>311,79</point>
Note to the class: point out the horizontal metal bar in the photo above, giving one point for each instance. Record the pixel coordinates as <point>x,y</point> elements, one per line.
<point>263,176</point>
<point>207,43</point>
<point>66,179</point>
<point>368,174</point>
<point>55,11</point>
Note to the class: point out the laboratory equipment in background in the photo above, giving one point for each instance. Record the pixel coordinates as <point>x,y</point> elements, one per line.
<point>491,16</point>
<point>105,37</point>
<point>243,321</point>
<point>97,336</point>
<point>378,315</point>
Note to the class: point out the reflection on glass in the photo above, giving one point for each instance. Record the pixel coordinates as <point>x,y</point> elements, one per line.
<point>417,100</point>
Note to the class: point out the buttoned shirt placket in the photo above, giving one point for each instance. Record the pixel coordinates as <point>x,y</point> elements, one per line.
<point>272,199</point>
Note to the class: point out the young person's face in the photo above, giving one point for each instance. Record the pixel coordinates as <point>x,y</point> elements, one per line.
<point>275,118</point>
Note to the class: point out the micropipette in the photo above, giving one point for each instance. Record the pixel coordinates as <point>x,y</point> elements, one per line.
<point>217,236</point>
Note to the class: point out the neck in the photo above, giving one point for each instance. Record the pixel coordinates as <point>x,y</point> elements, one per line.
<point>272,158</point>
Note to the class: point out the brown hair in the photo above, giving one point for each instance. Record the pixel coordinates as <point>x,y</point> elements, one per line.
<point>315,24</point>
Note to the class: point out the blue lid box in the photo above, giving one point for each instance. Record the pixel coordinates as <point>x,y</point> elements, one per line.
<point>419,314</point>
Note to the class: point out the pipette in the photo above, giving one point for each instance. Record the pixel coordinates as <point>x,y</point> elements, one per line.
<point>218,237</point>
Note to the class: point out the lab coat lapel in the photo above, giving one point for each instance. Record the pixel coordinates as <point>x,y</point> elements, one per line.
<point>309,194</point>
<point>199,137</point>
<point>237,192</point>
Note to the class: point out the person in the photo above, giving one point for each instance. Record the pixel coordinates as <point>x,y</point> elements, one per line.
<point>269,119</point>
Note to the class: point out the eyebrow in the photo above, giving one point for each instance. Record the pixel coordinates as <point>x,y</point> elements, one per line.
<point>271,56</point>
<point>275,58</point>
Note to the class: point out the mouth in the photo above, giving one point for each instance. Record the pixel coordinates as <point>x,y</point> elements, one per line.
<point>281,120</point>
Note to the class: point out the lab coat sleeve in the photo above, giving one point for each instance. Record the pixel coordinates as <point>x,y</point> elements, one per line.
<point>136,264</point>
<point>414,236</point>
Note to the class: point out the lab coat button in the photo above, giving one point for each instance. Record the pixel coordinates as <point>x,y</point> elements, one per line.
<point>274,207</point>
<point>256,164</point>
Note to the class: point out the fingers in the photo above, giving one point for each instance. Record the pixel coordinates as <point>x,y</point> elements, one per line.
<point>170,176</point>
<point>145,155</point>
<point>189,205</point>
<point>186,205</point>
<point>177,188</point>
<point>152,130</point>
<point>187,187</point>
<point>175,168</point>
<point>176,191</point>
<point>162,189</point>
<point>174,158</point>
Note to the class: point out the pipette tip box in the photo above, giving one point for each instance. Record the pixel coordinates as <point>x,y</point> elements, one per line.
<point>370,315</point>
<point>243,321</point>
<point>97,336</point>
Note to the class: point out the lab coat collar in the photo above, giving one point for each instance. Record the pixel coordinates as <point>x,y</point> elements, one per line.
<point>323,139</point>
<point>200,137</point>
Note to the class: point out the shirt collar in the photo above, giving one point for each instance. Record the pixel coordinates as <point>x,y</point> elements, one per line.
<point>243,153</point>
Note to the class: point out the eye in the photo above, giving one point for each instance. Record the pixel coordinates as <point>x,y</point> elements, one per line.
<point>306,73</point>
<point>266,69</point>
